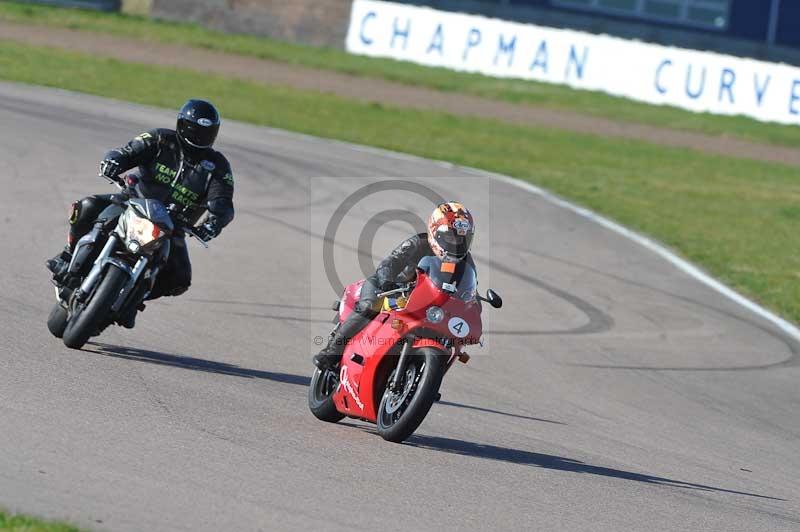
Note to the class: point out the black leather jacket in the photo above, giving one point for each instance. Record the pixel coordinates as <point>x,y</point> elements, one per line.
<point>401,264</point>
<point>204,182</point>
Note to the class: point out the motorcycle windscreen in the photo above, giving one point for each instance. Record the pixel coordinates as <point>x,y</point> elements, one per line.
<point>459,280</point>
<point>110,213</point>
<point>154,211</point>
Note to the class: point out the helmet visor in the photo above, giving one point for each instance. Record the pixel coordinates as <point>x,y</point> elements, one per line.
<point>197,135</point>
<point>456,246</point>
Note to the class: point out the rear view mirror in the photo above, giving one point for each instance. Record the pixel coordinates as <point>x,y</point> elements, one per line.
<point>494,299</point>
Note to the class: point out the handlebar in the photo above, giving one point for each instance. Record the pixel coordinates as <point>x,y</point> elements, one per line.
<point>112,181</point>
<point>405,288</point>
<point>192,234</point>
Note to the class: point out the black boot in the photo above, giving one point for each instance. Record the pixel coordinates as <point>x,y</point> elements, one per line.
<point>331,355</point>
<point>59,265</point>
<point>128,320</point>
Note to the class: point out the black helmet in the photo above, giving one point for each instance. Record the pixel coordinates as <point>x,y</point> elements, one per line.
<point>198,124</point>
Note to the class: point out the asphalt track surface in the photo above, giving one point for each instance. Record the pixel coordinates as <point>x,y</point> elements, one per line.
<point>615,393</point>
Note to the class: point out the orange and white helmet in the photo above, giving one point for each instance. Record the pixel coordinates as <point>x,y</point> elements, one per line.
<point>450,231</point>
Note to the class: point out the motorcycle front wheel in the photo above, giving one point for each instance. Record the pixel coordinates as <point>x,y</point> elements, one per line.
<point>57,321</point>
<point>320,395</point>
<point>401,413</point>
<point>86,319</point>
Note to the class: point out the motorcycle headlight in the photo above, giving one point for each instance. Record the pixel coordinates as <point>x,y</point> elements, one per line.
<point>435,314</point>
<point>140,231</point>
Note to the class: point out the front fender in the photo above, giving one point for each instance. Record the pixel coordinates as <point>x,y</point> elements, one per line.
<point>429,342</point>
<point>118,263</point>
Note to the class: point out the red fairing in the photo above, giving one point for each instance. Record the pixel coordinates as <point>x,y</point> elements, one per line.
<point>462,320</point>
<point>363,372</point>
<point>349,299</point>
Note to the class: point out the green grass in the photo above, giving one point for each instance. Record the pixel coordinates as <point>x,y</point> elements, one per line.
<point>22,523</point>
<point>737,218</point>
<point>517,91</point>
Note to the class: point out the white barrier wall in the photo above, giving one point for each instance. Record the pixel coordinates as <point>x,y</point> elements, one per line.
<point>694,80</point>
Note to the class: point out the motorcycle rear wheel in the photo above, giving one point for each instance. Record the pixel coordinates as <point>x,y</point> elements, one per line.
<point>83,324</point>
<point>400,414</point>
<point>320,396</point>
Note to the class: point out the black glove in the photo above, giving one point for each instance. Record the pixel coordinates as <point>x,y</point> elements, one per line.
<point>207,231</point>
<point>387,285</point>
<point>110,169</point>
<point>408,274</point>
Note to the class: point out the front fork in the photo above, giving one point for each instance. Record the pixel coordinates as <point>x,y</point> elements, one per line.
<point>401,364</point>
<point>89,283</point>
<point>394,384</point>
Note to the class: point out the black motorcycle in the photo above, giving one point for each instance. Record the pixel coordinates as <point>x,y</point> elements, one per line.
<point>113,268</point>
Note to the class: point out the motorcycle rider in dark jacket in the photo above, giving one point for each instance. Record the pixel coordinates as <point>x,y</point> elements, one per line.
<point>164,158</point>
<point>450,232</point>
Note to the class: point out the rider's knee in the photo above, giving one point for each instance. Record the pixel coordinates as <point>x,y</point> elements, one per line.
<point>367,308</point>
<point>84,211</point>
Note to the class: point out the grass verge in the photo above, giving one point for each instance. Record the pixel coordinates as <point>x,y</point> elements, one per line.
<point>516,91</point>
<point>737,218</point>
<point>22,523</point>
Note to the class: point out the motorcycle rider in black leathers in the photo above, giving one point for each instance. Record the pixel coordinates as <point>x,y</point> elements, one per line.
<point>450,232</point>
<point>163,158</point>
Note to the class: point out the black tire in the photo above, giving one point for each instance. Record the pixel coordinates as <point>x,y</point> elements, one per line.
<point>57,321</point>
<point>320,396</point>
<point>423,390</point>
<point>83,324</point>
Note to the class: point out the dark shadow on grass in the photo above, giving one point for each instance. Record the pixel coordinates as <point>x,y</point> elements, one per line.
<point>194,364</point>
<point>498,412</point>
<point>557,463</point>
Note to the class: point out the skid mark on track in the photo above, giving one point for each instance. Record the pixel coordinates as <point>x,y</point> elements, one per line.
<point>791,344</point>
<point>681,264</point>
<point>597,320</point>
<point>790,330</point>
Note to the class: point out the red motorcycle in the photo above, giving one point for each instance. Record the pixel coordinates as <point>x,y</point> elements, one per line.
<point>391,371</point>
